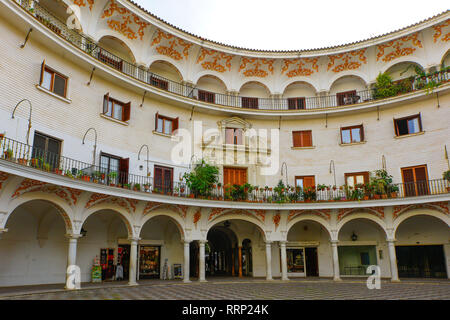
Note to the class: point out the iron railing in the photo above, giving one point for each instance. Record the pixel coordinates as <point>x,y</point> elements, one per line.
<point>26,155</point>
<point>138,72</point>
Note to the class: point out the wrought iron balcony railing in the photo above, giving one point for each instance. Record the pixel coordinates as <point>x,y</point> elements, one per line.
<point>26,155</point>
<point>228,100</point>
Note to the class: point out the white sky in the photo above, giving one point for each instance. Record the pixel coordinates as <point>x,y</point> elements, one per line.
<point>292,24</point>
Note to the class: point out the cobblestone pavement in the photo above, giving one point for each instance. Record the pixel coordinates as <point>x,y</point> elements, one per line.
<point>246,289</point>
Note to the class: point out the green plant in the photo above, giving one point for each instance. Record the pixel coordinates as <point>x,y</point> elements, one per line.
<point>321,187</point>
<point>127,186</point>
<point>112,175</point>
<point>384,87</point>
<point>280,194</point>
<point>446,175</point>
<point>309,194</point>
<point>201,180</point>
<point>137,187</point>
<point>8,153</point>
<point>69,174</point>
<point>381,181</point>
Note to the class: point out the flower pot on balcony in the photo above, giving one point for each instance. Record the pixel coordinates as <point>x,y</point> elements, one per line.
<point>366,197</point>
<point>393,194</point>
<point>191,196</point>
<point>22,161</point>
<point>376,196</point>
<point>384,196</point>
<point>58,171</point>
<point>448,189</point>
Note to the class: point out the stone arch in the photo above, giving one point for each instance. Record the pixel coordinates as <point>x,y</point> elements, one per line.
<point>173,216</point>
<point>420,212</point>
<point>444,56</point>
<point>63,209</point>
<point>207,73</point>
<point>308,217</point>
<point>289,82</point>
<point>407,59</point>
<point>234,216</point>
<point>259,83</point>
<point>123,214</point>
<point>361,215</point>
<point>174,65</point>
<point>122,40</point>
<point>347,74</point>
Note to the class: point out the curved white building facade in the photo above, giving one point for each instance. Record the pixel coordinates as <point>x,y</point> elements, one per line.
<point>105,107</point>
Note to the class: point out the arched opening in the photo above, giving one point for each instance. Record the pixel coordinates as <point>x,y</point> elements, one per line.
<point>166,70</point>
<point>211,83</point>
<point>403,70</point>
<point>230,250</point>
<point>298,94</point>
<point>34,250</point>
<point>422,247</point>
<point>445,63</point>
<point>254,89</point>
<point>105,231</point>
<point>160,250</point>
<point>348,90</point>
<point>113,52</point>
<point>307,249</point>
<point>362,242</point>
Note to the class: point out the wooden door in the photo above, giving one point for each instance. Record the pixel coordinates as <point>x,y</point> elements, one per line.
<point>415,180</point>
<point>233,176</point>
<point>163,177</point>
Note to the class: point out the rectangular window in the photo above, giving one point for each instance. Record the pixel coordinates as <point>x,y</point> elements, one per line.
<point>296,103</point>
<point>110,163</point>
<point>165,124</point>
<point>352,134</point>
<point>53,81</point>
<point>163,177</point>
<point>354,178</point>
<point>304,182</point>
<point>234,136</point>
<point>206,96</point>
<point>159,83</point>
<point>415,181</point>
<point>47,150</point>
<point>116,109</point>
<point>347,97</point>
<point>251,103</point>
<point>302,138</point>
<point>408,125</point>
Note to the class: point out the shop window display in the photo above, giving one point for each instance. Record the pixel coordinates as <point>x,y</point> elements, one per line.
<point>149,262</point>
<point>296,260</point>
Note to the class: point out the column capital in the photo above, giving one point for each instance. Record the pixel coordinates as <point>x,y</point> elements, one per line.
<point>186,241</point>
<point>334,242</point>
<point>202,242</point>
<point>134,239</point>
<point>283,242</point>
<point>269,243</point>
<point>391,240</point>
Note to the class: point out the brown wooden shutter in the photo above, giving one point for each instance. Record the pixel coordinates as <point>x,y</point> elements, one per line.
<point>123,169</point>
<point>126,111</point>
<point>420,122</point>
<point>296,136</point>
<point>395,127</point>
<point>421,180</point>
<point>156,121</point>
<point>362,133</point>
<point>421,174</point>
<point>366,177</point>
<point>307,139</point>
<point>42,72</point>
<point>105,103</point>
<point>308,182</point>
<point>175,124</point>
<point>158,177</point>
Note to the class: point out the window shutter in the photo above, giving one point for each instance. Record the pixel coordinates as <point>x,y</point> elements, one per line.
<point>126,111</point>
<point>123,170</point>
<point>362,133</point>
<point>158,177</point>
<point>156,121</point>
<point>296,136</point>
<point>175,124</point>
<point>308,182</point>
<point>408,175</point>
<point>395,127</point>
<point>42,72</point>
<point>105,102</point>
<point>307,139</point>
<point>421,174</point>
<point>420,122</point>
<point>366,177</point>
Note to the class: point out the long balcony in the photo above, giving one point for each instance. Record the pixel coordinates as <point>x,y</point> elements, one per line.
<point>251,103</point>
<point>26,155</point>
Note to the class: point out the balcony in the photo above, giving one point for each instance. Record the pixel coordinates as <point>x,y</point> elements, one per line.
<point>25,155</point>
<point>251,103</point>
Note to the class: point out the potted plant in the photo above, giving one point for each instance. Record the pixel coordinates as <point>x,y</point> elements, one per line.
<point>46,166</point>
<point>136,187</point>
<point>112,178</point>
<point>446,176</point>
<point>146,187</point>
<point>8,154</point>
<point>309,194</point>
<point>68,173</point>
<point>202,179</point>
<point>127,186</point>
<point>176,191</point>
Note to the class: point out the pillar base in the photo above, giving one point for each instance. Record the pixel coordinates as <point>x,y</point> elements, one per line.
<point>132,284</point>
<point>203,280</point>
<point>271,279</point>
<point>187,281</point>
<point>337,279</point>
<point>284,279</point>
<point>395,280</point>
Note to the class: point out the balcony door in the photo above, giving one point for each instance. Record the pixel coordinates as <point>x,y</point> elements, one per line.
<point>415,180</point>
<point>233,176</point>
<point>163,179</point>
<point>46,149</point>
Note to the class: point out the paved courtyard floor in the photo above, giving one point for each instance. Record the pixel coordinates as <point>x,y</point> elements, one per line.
<point>238,289</point>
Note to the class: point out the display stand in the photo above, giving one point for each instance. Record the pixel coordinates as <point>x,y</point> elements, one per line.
<point>177,271</point>
<point>165,273</point>
<point>96,273</point>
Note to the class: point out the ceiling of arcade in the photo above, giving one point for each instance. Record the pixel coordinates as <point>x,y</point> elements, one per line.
<point>194,57</point>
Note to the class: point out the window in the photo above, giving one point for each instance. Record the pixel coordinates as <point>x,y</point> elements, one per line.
<point>347,97</point>
<point>116,109</point>
<point>408,125</point>
<point>165,124</point>
<point>352,134</point>
<point>296,103</point>
<point>415,180</point>
<point>110,163</point>
<point>251,103</point>
<point>160,83</point>
<point>163,179</point>
<point>206,96</point>
<point>304,182</point>
<point>110,59</point>
<point>302,138</point>
<point>354,178</point>
<point>53,81</point>
<point>46,149</point>
<point>233,136</point>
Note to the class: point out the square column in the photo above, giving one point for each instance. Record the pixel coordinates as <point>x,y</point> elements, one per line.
<point>201,277</point>
<point>186,261</point>
<point>269,260</point>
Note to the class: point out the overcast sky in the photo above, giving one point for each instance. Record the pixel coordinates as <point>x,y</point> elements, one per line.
<point>292,24</point>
